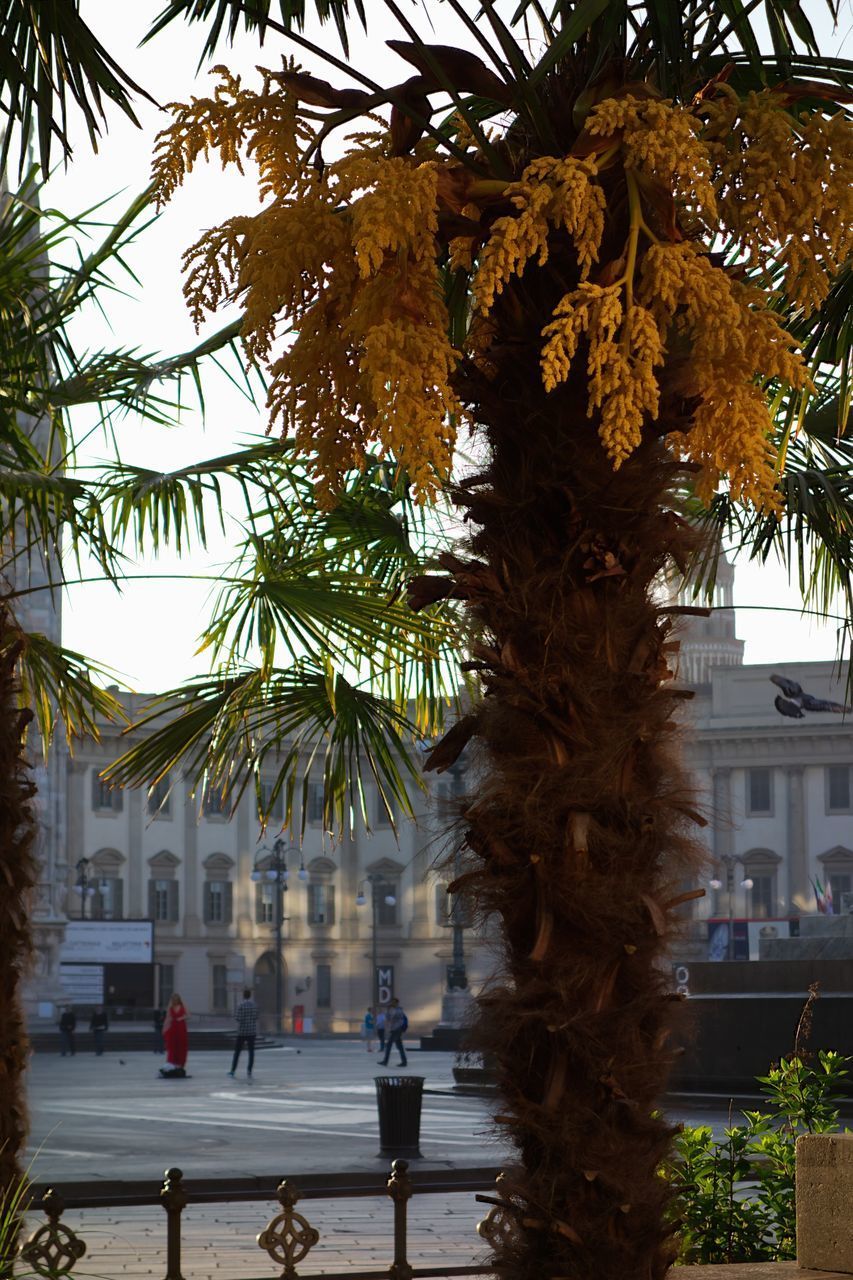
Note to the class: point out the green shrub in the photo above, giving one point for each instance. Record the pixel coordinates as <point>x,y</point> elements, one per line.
<point>735,1195</point>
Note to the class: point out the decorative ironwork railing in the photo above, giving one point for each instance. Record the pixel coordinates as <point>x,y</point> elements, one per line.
<point>53,1248</point>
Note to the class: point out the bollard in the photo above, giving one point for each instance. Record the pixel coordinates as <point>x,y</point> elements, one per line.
<point>173,1198</point>
<point>400,1190</point>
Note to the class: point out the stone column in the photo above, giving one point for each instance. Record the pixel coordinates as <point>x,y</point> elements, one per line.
<point>723,832</point>
<point>192,921</point>
<point>136,907</point>
<point>799,893</point>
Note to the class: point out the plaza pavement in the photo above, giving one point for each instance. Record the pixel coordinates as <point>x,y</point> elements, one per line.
<point>310,1109</point>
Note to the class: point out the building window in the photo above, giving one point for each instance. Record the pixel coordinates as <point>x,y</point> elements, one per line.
<point>274,811</point>
<point>218,901</point>
<point>841,883</point>
<point>265,903</point>
<point>759,792</point>
<point>167,983</point>
<point>386,912</point>
<point>160,799</point>
<point>381,816</point>
<point>163,901</point>
<point>105,799</point>
<point>107,902</point>
<point>324,986</point>
<point>321,904</point>
<point>449,904</point>
<point>213,803</point>
<point>220,988</point>
<point>762,895</point>
<point>838,789</point>
<point>314,803</point>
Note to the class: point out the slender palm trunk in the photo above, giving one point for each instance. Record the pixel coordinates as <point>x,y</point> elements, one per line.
<point>18,875</point>
<point>577,834</point>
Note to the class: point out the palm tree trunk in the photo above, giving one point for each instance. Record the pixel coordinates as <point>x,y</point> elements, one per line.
<point>18,876</point>
<point>576,832</point>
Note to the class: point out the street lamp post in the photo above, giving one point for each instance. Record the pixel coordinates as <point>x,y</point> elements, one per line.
<point>82,885</point>
<point>276,872</point>
<point>730,861</point>
<point>360,899</point>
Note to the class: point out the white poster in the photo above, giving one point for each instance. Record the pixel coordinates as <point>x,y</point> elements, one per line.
<point>108,942</point>
<point>82,983</point>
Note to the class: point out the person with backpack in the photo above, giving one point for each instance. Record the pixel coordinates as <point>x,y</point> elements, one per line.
<point>396,1023</point>
<point>247,1030</point>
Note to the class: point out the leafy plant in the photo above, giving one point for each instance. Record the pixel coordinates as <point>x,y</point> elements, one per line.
<point>735,1196</point>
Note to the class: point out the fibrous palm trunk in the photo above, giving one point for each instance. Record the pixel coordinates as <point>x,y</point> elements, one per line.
<point>18,876</point>
<point>577,834</point>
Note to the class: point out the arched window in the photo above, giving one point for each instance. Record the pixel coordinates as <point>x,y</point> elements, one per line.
<point>218,889</point>
<point>163,888</point>
<point>321,891</point>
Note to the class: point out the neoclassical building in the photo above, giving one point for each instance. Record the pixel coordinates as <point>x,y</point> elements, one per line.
<point>189,867</point>
<point>777,792</point>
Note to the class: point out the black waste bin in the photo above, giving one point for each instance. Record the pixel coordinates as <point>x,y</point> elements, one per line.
<point>399,1101</point>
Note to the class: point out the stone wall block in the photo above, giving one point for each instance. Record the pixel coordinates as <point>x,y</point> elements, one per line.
<point>825,1201</point>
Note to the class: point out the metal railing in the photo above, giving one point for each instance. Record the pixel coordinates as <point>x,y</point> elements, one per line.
<point>53,1248</point>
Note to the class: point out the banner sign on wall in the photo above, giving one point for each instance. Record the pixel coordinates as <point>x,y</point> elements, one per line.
<point>82,983</point>
<point>385,983</point>
<point>108,942</point>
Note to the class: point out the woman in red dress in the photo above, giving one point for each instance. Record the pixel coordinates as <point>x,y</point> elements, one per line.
<point>175,1038</point>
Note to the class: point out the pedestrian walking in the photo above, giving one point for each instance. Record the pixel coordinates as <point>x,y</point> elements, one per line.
<point>380,1029</point>
<point>175,1039</point>
<point>368,1030</point>
<point>99,1025</point>
<point>247,1029</point>
<point>159,1019</point>
<point>67,1027</point>
<point>396,1023</point>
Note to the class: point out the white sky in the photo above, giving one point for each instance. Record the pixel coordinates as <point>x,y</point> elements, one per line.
<point>149,634</point>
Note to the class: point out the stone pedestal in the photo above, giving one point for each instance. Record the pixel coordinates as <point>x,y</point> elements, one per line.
<point>825,1202</point>
<point>43,986</point>
<point>457,1011</point>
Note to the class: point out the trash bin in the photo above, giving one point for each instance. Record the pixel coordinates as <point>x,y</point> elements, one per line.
<point>398,1099</point>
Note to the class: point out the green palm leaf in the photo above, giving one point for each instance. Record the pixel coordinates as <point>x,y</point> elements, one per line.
<point>49,57</point>
<point>225,731</point>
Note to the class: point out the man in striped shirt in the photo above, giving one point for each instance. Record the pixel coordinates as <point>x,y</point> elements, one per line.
<point>247,1029</point>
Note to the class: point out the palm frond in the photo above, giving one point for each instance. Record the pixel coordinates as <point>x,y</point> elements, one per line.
<point>226,16</point>
<point>61,687</point>
<point>226,731</point>
<point>49,57</point>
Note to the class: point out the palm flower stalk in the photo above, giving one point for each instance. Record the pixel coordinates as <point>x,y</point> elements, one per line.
<point>599,288</point>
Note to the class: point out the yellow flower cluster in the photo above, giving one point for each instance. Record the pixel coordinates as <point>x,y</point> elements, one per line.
<point>624,349</point>
<point>397,212</point>
<point>346,261</point>
<point>552,193</point>
<point>234,120</point>
<point>785,186</point>
<point>733,345</point>
<point>663,142</point>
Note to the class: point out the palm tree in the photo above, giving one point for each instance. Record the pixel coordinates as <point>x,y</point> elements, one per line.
<point>608,282</point>
<point>655,207</point>
<point>51,516</point>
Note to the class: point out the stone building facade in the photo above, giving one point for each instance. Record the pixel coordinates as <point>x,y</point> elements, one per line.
<point>778,795</point>
<point>189,867</point>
